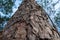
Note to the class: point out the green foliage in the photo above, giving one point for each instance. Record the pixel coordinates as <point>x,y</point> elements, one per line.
<point>3,19</point>
<point>57,19</point>
<point>6,6</point>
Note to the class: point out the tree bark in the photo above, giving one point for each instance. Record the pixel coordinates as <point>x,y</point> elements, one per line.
<point>30,22</point>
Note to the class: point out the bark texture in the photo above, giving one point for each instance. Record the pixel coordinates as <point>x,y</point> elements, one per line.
<point>1,35</point>
<point>30,22</point>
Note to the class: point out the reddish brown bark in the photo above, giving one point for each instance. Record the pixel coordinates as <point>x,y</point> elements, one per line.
<point>30,22</point>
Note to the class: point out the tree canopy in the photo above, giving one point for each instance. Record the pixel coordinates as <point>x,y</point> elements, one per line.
<point>5,8</point>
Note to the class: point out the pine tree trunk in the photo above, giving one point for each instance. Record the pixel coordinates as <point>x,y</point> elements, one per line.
<point>30,22</point>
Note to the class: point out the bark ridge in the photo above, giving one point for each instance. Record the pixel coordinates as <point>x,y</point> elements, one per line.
<point>30,22</point>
